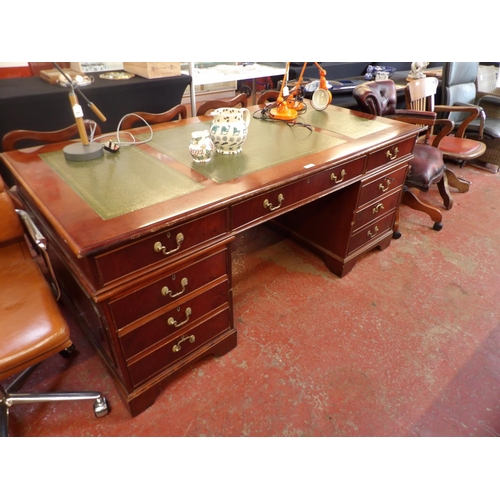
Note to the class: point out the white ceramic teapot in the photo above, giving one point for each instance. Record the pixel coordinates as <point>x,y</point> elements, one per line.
<point>229,129</point>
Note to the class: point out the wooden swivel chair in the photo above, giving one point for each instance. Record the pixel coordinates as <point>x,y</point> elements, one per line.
<point>420,96</point>
<point>137,118</point>
<point>18,139</point>
<point>427,167</point>
<point>222,103</point>
<point>459,87</point>
<point>32,327</point>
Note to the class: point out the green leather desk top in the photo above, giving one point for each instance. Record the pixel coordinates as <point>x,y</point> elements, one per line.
<point>116,184</point>
<point>268,142</point>
<point>131,179</point>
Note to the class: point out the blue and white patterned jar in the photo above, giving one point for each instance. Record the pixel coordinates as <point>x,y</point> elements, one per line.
<point>201,147</point>
<point>229,129</point>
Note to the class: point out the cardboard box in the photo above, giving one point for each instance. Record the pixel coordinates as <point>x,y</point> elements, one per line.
<point>153,69</point>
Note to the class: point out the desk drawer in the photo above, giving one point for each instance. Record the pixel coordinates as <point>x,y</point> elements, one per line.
<point>174,321</point>
<point>371,232</point>
<point>169,288</point>
<point>279,200</point>
<point>376,209</point>
<point>160,246</point>
<point>178,347</point>
<point>379,186</point>
<point>390,153</point>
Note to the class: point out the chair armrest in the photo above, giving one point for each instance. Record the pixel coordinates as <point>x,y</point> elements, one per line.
<point>35,234</point>
<point>426,119</point>
<point>489,98</point>
<point>416,114</point>
<point>445,127</point>
<point>474,111</point>
<point>40,243</point>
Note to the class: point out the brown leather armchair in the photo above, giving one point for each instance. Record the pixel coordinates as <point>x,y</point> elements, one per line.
<point>427,167</point>
<point>32,327</point>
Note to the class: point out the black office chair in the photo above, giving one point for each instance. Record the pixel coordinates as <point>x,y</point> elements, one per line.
<point>459,87</point>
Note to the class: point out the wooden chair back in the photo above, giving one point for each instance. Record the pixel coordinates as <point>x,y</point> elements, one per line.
<point>134,120</point>
<point>222,103</point>
<point>17,139</point>
<point>420,94</point>
<point>268,96</point>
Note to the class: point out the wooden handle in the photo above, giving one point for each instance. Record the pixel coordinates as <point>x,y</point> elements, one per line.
<point>94,108</point>
<point>78,114</point>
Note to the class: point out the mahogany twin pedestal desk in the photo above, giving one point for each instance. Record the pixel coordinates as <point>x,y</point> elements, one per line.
<point>141,239</point>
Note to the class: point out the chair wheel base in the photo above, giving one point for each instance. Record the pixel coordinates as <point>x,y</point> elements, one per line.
<point>396,235</point>
<point>68,352</point>
<point>101,408</point>
<point>437,226</point>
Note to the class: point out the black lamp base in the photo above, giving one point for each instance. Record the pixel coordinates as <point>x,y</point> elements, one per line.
<point>80,152</point>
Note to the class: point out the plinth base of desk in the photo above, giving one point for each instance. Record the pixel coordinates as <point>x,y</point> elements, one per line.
<point>146,395</point>
<point>143,398</point>
<point>340,266</point>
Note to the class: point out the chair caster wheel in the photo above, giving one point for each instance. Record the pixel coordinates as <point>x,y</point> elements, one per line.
<point>101,407</point>
<point>68,352</point>
<point>245,89</point>
<point>437,226</point>
<point>396,235</point>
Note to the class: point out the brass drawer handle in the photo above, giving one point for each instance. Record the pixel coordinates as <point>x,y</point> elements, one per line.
<point>388,182</point>
<point>380,206</point>
<point>177,347</point>
<point>375,231</point>
<point>158,247</point>
<point>269,205</point>
<point>392,156</point>
<point>166,292</point>
<point>335,179</point>
<point>172,322</point>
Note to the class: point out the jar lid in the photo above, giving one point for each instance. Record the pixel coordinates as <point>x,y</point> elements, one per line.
<point>200,134</point>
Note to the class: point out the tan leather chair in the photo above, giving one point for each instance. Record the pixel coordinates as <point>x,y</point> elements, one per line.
<point>32,327</point>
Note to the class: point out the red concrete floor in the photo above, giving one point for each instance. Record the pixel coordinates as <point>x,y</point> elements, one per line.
<point>407,344</point>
